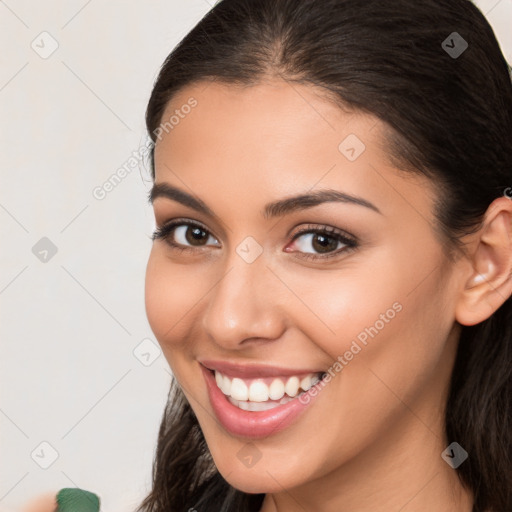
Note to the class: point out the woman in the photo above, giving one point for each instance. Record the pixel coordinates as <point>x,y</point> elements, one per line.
<point>331,273</point>
<point>401,114</point>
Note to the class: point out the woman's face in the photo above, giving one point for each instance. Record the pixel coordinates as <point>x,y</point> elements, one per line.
<point>376,311</point>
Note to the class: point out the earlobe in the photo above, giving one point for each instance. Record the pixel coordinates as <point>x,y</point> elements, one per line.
<point>489,284</point>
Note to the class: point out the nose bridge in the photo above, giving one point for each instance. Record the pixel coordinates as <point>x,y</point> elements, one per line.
<point>241,304</point>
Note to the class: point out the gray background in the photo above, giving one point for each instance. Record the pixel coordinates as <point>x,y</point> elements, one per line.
<point>80,369</point>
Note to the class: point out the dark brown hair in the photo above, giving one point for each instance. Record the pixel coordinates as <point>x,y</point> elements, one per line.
<point>449,118</point>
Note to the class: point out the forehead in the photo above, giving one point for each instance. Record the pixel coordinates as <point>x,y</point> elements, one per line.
<point>275,109</point>
<point>263,126</point>
<point>277,139</point>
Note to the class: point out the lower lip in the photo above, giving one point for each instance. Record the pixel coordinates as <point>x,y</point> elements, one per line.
<point>254,425</point>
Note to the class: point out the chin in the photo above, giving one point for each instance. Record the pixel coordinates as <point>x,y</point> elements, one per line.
<point>255,483</point>
<point>264,477</point>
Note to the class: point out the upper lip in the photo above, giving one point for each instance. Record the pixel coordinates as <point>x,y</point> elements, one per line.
<point>253,371</point>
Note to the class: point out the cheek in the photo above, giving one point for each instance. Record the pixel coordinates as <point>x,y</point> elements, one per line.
<point>393,319</point>
<point>170,297</point>
<point>155,295</point>
<point>339,307</point>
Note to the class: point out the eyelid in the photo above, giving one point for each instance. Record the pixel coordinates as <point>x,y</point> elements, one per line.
<point>167,227</point>
<point>163,212</point>
<point>350,241</point>
<point>324,228</point>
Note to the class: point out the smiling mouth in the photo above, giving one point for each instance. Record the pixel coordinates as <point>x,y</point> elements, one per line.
<point>266,401</point>
<point>262,394</point>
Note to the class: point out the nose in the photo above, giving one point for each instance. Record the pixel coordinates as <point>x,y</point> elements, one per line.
<point>244,305</point>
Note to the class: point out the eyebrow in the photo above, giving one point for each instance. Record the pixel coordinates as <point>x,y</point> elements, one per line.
<point>274,209</point>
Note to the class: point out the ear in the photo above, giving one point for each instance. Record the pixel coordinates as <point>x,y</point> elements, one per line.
<point>488,282</point>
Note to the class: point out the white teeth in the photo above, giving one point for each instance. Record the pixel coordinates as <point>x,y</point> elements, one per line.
<point>258,406</point>
<point>219,379</point>
<point>305,383</point>
<point>258,392</point>
<point>240,405</point>
<point>276,390</point>
<point>292,386</point>
<point>225,386</point>
<point>239,389</point>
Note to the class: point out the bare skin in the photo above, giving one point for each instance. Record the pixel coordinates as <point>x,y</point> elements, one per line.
<point>42,503</point>
<point>373,438</point>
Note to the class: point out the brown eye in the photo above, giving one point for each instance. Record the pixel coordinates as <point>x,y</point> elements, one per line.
<point>193,235</point>
<point>325,242</point>
<point>183,235</point>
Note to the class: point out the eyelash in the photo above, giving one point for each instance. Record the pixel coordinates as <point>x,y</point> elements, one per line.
<point>350,242</point>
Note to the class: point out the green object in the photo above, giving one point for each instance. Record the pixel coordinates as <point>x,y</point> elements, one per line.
<point>77,500</point>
